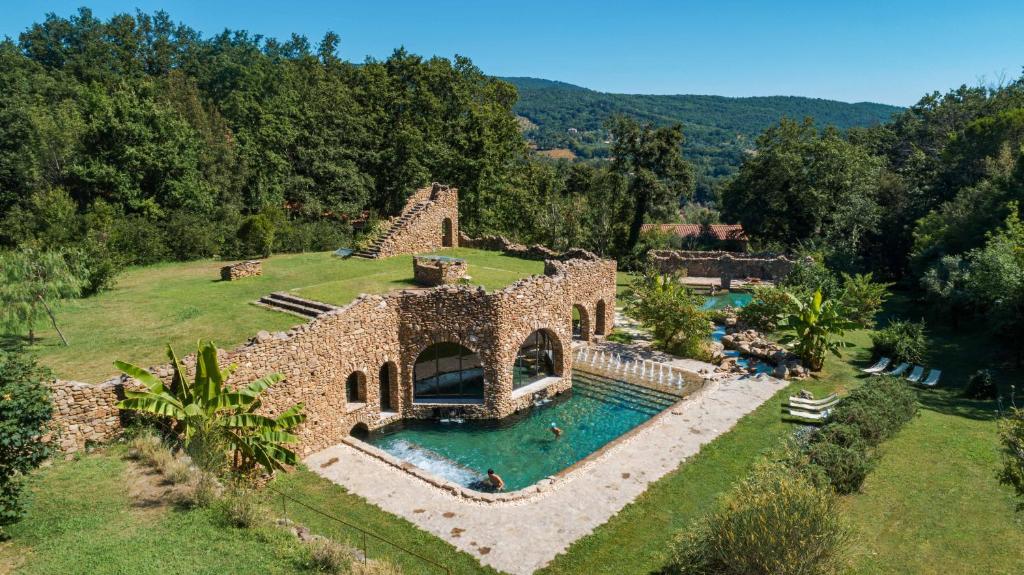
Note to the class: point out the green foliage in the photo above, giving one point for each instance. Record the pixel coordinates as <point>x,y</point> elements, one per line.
<point>1011,437</point>
<point>810,275</point>
<point>845,466</point>
<point>34,283</point>
<point>25,412</point>
<point>901,341</point>
<point>255,237</point>
<point>947,287</point>
<point>862,297</point>
<point>997,282</point>
<point>210,417</point>
<point>814,327</point>
<point>772,522</point>
<point>877,409</point>
<point>767,308</point>
<point>981,386</point>
<point>673,313</point>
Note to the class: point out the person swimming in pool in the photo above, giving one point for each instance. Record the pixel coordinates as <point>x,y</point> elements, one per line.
<point>496,481</point>
<point>555,430</point>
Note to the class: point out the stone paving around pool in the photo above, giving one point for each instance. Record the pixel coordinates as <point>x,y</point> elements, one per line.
<point>522,536</point>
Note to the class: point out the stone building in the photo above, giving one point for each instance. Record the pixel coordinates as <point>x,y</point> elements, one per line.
<point>407,354</point>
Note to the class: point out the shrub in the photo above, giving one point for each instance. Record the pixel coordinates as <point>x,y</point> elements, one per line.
<point>812,276</point>
<point>766,309</point>
<point>773,522</point>
<point>140,239</point>
<point>981,386</point>
<point>1011,435</point>
<point>901,341</point>
<point>25,413</point>
<point>145,447</point>
<point>240,509</point>
<point>863,298</point>
<point>672,312</point>
<point>255,237</point>
<point>178,471</point>
<point>845,466</point>
<point>327,556</point>
<point>203,491</point>
<point>877,409</point>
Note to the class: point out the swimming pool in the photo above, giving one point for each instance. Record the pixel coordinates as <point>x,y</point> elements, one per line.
<point>727,299</point>
<point>521,448</point>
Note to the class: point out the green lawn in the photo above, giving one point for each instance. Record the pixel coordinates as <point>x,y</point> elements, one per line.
<point>181,302</point>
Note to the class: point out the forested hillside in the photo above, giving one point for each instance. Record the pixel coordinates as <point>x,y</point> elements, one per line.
<point>719,130</point>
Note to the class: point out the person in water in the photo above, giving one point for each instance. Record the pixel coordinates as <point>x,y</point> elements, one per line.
<point>555,430</point>
<point>496,481</point>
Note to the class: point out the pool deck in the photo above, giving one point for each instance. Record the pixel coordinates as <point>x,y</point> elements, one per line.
<point>522,536</point>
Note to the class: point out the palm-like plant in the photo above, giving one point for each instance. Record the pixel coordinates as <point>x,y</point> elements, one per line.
<point>816,327</point>
<point>207,414</point>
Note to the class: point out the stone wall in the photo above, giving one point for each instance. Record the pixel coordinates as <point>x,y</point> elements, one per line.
<point>723,264</point>
<point>241,270</point>
<point>432,272</point>
<point>433,226</point>
<point>388,332</point>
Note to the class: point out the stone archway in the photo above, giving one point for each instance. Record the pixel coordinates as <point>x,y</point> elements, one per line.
<point>447,233</point>
<point>599,322</point>
<point>539,356</point>
<point>355,387</point>
<point>389,387</point>
<point>359,431</point>
<point>580,323</point>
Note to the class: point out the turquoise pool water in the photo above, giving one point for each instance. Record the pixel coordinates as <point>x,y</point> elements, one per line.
<point>521,448</point>
<point>727,299</point>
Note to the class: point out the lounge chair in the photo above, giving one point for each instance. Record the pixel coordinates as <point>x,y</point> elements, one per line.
<point>897,371</point>
<point>882,364</point>
<point>818,405</point>
<point>816,416</point>
<point>932,378</point>
<point>915,376</point>
<point>827,399</point>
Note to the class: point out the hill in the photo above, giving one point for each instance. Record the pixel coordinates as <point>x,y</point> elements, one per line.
<point>719,130</point>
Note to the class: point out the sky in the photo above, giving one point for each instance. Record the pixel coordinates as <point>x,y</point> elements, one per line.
<point>892,51</point>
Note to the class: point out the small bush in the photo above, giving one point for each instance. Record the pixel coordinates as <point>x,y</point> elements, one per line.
<point>146,447</point>
<point>375,567</point>
<point>981,386</point>
<point>1011,436</point>
<point>178,471</point>
<point>327,556</point>
<point>863,298</point>
<point>241,510</point>
<point>203,491</point>
<point>773,522</point>
<point>846,466</point>
<point>877,409</point>
<point>766,309</point>
<point>901,341</point>
<point>255,237</point>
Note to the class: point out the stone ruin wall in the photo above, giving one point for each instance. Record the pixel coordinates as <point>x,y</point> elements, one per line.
<point>241,270</point>
<point>425,231</point>
<point>317,358</point>
<point>431,272</point>
<point>723,264</point>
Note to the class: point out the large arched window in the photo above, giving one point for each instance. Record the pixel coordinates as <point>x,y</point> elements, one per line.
<point>535,360</point>
<point>448,372</point>
<point>355,388</point>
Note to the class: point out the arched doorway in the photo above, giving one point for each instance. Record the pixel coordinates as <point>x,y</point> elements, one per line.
<point>537,358</point>
<point>388,386</point>
<point>446,233</point>
<point>355,387</point>
<point>359,431</point>
<point>580,323</point>
<point>448,372</point>
<point>600,319</point>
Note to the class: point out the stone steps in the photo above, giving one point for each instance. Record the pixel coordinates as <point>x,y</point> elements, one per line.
<point>295,305</point>
<point>373,251</point>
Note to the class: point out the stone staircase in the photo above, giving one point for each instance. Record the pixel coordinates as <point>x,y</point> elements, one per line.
<point>408,214</point>
<point>295,305</point>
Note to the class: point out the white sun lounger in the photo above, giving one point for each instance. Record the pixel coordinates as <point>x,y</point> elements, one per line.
<point>882,364</point>
<point>932,378</point>
<point>897,371</point>
<point>915,376</point>
<point>817,416</point>
<point>794,400</point>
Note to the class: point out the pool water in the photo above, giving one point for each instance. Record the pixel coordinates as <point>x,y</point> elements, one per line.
<point>727,299</point>
<point>521,448</point>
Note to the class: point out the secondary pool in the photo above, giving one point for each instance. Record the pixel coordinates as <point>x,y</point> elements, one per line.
<point>521,448</point>
<point>735,300</point>
<point>727,299</point>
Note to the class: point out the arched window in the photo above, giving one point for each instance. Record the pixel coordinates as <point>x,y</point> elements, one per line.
<point>448,372</point>
<point>355,388</point>
<point>446,233</point>
<point>388,377</point>
<point>535,360</point>
<point>580,323</point>
<point>599,320</point>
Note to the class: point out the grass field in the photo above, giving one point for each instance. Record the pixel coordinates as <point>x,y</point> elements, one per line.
<point>178,303</point>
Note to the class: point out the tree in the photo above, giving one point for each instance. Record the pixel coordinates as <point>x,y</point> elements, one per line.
<point>672,311</point>
<point>947,287</point>
<point>816,327</point>
<point>862,297</point>
<point>651,160</point>
<point>210,417</point>
<point>997,282</point>
<point>25,411</point>
<point>34,283</point>
<point>1011,435</point>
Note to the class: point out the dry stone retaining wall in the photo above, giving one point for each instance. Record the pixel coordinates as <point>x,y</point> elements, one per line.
<point>390,331</point>
<point>432,272</point>
<point>241,270</point>
<point>723,264</point>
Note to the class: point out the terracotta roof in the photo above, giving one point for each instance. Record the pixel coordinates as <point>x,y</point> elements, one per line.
<point>721,232</point>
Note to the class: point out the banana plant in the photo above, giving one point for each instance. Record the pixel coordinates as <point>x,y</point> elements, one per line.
<point>816,328</point>
<point>206,412</point>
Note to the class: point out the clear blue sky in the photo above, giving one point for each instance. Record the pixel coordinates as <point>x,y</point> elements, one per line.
<point>890,51</point>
